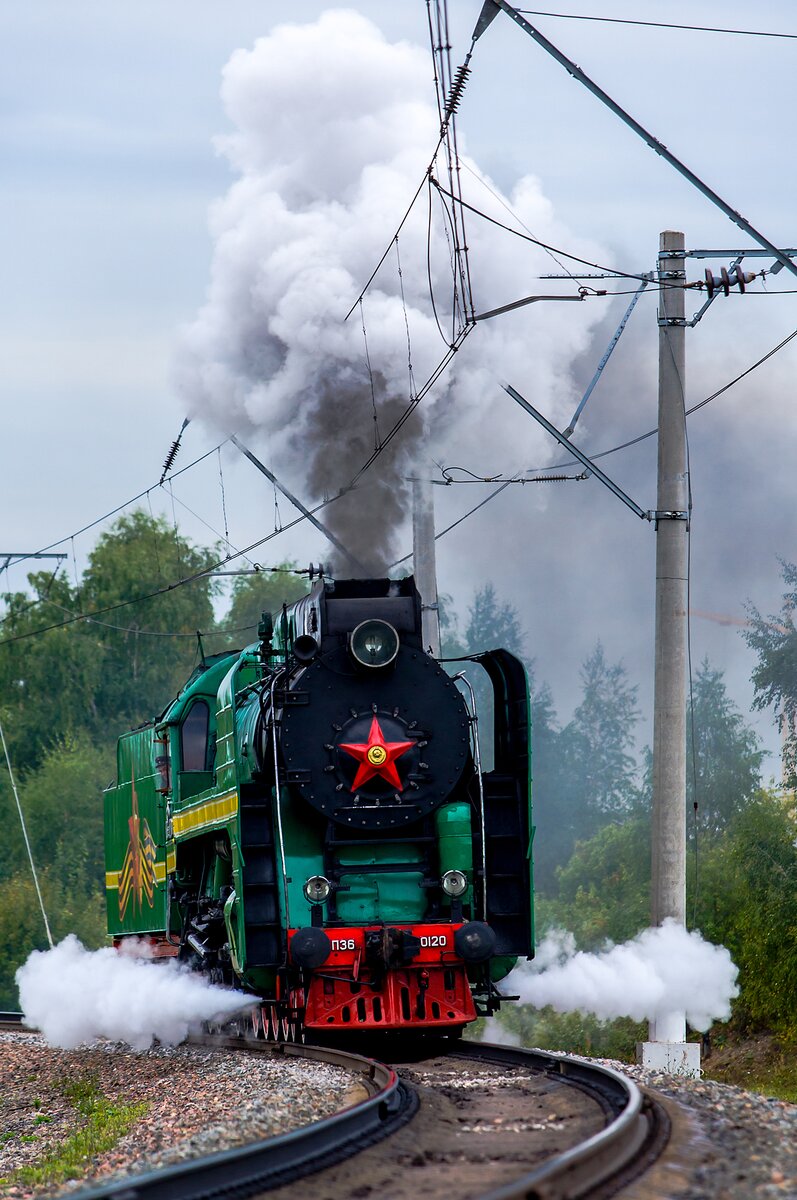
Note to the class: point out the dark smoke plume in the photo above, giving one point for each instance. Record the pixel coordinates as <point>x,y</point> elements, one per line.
<point>332,129</point>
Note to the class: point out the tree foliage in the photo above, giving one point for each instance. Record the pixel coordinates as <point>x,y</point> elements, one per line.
<point>65,696</point>
<point>757,868</point>
<point>69,910</point>
<point>47,682</point>
<point>493,624</point>
<point>774,640</point>
<point>741,893</point>
<point>147,647</point>
<point>604,888</point>
<point>110,672</point>
<point>585,774</point>
<point>266,591</point>
<point>723,757</point>
<point>602,735</point>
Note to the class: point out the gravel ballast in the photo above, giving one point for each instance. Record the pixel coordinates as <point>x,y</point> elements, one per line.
<point>201,1100</point>
<point>747,1142</point>
<point>198,1101</point>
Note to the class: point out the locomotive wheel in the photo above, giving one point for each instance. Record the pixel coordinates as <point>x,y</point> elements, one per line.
<point>259,1023</point>
<point>272,1030</point>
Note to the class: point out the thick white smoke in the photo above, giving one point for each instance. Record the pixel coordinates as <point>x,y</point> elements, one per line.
<point>660,971</point>
<point>75,996</point>
<point>333,130</point>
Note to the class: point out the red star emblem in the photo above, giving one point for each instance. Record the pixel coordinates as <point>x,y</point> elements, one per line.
<point>376,757</point>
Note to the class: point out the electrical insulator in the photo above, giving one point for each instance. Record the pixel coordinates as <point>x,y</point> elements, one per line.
<point>743,277</point>
<point>735,278</point>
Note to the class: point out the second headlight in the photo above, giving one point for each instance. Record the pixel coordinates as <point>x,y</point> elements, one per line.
<point>454,883</point>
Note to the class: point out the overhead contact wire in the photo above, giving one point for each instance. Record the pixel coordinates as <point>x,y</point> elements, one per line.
<point>614,450</point>
<point>120,507</point>
<point>25,835</point>
<point>536,12</point>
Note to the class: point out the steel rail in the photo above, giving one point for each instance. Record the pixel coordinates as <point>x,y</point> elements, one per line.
<point>633,1138</point>
<point>272,1162</point>
<point>635,1134</point>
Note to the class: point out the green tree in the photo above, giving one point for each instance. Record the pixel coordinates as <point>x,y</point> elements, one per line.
<point>604,888</point>
<point>62,802</point>
<point>492,624</point>
<point>451,644</point>
<point>748,902</point>
<point>22,928</point>
<point>112,671</point>
<point>65,695</point>
<point>552,840</point>
<point>585,772</point>
<point>724,760</point>
<point>147,647</point>
<point>47,681</point>
<point>774,640</point>
<point>63,805</point>
<point>602,735</point>
<point>265,591</point>
<point>11,843</point>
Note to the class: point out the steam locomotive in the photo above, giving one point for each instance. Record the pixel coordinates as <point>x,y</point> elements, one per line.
<point>310,820</point>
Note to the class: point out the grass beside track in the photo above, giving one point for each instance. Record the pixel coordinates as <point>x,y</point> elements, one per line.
<point>756,1062</point>
<point>102,1122</point>
<point>759,1064</point>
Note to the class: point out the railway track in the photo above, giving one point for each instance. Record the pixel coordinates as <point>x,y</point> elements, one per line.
<point>495,1123</point>
<point>499,1123</point>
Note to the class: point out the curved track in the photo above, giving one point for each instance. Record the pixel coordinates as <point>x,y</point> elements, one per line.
<point>634,1136</point>
<point>629,1131</point>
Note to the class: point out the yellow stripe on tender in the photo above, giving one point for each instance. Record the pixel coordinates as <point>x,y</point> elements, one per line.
<point>161,870</point>
<point>209,813</point>
<point>188,821</point>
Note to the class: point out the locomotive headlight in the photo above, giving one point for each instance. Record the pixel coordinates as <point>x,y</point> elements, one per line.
<point>374,644</point>
<point>317,889</point>
<point>455,883</point>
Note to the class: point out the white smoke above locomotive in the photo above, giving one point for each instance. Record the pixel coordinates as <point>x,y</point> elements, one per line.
<point>333,130</point>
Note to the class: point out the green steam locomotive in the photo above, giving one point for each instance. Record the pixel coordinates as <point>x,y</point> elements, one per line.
<point>310,820</point>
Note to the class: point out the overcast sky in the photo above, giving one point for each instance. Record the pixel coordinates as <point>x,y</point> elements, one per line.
<point>108,115</point>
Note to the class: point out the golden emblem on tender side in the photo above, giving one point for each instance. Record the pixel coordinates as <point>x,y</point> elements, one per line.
<point>137,876</point>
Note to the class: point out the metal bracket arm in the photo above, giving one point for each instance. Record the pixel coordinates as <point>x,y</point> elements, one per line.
<point>579,454</point>
<point>489,12</point>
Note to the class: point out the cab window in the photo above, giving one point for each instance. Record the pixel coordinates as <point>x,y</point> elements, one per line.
<point>194,737</point>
